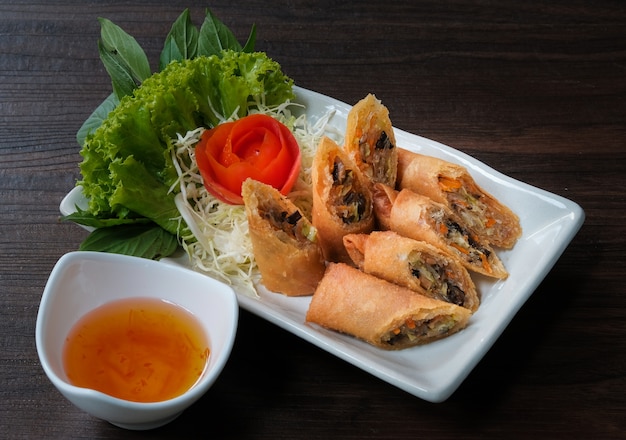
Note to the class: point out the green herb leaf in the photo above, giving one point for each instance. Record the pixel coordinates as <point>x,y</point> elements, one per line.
<point>182,41</point>
<point>121,79</point>
<point>249,46</point>
<point>215,37</point>
<point>147,241</point>
<point>123,58</point>
<point>85,218</point>
<point>95,119</point>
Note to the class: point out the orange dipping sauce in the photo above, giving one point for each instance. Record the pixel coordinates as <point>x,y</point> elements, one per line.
<point>138,349</point>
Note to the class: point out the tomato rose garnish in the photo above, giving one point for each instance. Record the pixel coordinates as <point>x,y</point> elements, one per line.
<point>256,146</point>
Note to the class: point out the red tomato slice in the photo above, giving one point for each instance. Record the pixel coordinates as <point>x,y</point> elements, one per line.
<point>256,146</point>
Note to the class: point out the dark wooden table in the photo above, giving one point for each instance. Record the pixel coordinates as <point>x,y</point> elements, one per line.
<point>535,89</point>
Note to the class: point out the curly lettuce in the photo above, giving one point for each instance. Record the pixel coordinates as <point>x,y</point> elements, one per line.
<point>127,170</point>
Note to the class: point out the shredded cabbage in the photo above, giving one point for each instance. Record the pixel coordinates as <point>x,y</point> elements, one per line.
<point>219,244</point>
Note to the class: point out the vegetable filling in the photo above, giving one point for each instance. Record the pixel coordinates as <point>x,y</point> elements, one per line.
<point>462,240</point>
<point>425,328</point>
<point>379,159</point>
<point>435,279</point>
<point>348,201</point>
<point>466,201</point>
<point>291,224</point>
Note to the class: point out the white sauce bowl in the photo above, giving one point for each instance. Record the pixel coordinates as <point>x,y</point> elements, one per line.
<point>83,281</point>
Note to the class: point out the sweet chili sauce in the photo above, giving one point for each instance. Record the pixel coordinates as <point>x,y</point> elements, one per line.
<point>138,349</point>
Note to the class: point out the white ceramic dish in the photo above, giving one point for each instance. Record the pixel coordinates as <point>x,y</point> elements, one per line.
<point>433,372</point>
<point>83,281</point>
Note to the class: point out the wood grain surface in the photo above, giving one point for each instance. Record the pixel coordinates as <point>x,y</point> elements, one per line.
<point>534,89</point>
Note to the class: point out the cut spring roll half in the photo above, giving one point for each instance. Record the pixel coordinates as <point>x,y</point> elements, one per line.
<point>342,200</point>
<point>284,242</point>
<point>414,264</point>
<point>420,218</point>
<point>370,140</point>
<point>381,313</point>
<point>452,185</point>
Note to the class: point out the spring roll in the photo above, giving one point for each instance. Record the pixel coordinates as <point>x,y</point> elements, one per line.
<point>381,313</point>
<point>285,244</point>
<point>370,140</point>
<point>414,264</point>
<point>342,200</point>
<point>452,185</point>
<point>420,218</point>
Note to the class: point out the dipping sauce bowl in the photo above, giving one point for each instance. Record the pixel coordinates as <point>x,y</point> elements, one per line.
<point>83,281</point>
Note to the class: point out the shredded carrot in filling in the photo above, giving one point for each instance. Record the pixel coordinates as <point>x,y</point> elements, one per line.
<point>490,222</point>
<point>486,264</point>
<point>409,323</point>
<point>460,248</point>
<point>461,203</point>
<point>449,184</point>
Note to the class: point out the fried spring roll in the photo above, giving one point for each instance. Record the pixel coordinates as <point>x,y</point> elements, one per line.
<point>284,242</point>
<point>414,264</point>
<point>381,313</point>
<point>452,185</point>
<point>370,140</point>
<point>420,218</point>
<point>342,200</point>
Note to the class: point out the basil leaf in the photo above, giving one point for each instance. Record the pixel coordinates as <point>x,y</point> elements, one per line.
<point>182,41</point>
<point>95,119</point>
<point>85,218</point>
<point>249,46</point>
<point>121,79</point>
<point>147,241</point>
<point>215,37</point>
<point>123,58</point>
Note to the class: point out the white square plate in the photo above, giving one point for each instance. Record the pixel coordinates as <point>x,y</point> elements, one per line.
<point>434,371</point>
